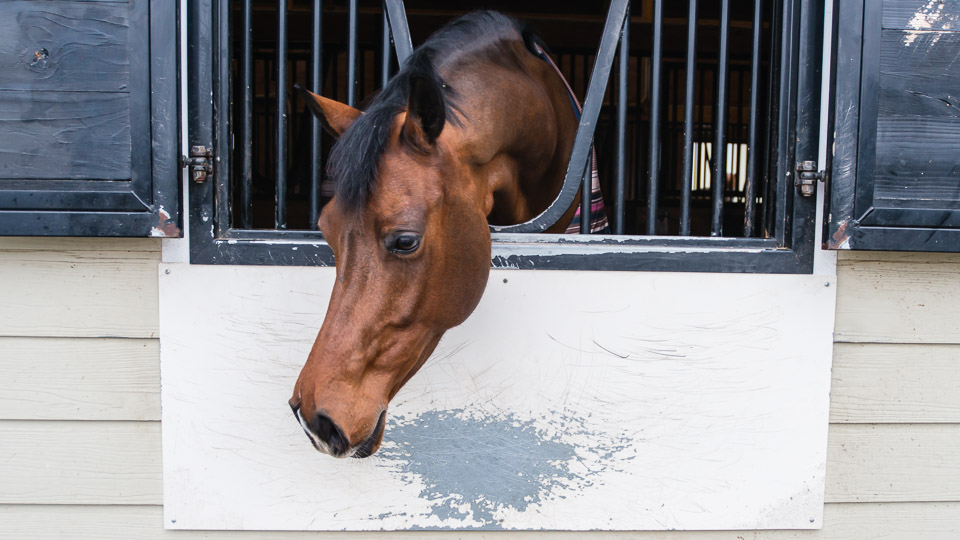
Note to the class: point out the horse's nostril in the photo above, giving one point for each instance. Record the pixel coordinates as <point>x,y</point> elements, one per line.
<point>328,432</point>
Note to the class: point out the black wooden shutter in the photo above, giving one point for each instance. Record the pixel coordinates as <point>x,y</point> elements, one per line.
<point>895,178</point>
<point>88,118</point>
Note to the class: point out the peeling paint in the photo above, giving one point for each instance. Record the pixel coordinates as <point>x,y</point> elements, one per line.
<point>166,227</point>
<point>841,238</point>
<point>924,20</point>
<point>476,468</point>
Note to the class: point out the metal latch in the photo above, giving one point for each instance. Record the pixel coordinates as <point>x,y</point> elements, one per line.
<point>199,162</point>
<point>807,177</point>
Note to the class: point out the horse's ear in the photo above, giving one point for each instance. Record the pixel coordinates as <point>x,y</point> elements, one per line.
<point>426,112</point>
<point>335,117</point>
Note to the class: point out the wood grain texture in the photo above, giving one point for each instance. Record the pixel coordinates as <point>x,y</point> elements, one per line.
<point>918,123</point>
<point>46,135</point>
<point>921,14</point>
<point>893,463</point>
<point>891,521</point>
<point>64,46</point>
<point>80,462</point>
<point>898,298</point>
<point>875,383</point>
<point>93,289</point>
<point>79,379</point>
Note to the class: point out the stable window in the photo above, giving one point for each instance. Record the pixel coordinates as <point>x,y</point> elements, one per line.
<point>739,68</point>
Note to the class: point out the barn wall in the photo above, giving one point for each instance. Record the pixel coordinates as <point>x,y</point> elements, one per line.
<point>79,398</point>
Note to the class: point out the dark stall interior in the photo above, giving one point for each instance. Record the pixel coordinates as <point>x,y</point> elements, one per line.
<point>572,30</point>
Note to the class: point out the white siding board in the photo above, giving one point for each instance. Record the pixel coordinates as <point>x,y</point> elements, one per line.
<point>877,383</point>
<point>80,462</point>
<point>119,379</point>
<point>78,291</point>
<point>55,462</point>
<point>47,467</point>
<point>894,521</point>
<point>898,298</point>
<point>79,379</point>
<point>893,462</point>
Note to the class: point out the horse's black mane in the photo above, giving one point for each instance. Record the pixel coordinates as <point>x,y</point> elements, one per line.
<point>354,158</point>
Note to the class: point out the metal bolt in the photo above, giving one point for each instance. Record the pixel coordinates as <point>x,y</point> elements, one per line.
<point>167,271</point>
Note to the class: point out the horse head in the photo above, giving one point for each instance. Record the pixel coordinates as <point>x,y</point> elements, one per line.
<point>418,178</point>
<point>412,253</point>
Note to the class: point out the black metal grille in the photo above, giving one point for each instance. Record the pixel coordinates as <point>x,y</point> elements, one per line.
<point>657,163</point>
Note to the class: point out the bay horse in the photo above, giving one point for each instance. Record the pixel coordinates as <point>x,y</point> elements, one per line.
<point>475,129</point>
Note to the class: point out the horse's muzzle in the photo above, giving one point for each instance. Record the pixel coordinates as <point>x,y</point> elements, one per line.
<point>367,448</point>
<point>325,435</point>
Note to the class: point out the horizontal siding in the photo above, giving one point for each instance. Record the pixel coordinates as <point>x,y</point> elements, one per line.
<point>898,298</point>
<point>92,462</point>
<point>898,521</point>
<point>60,462</point>
<point>79,288</point>
<point>79,379</point>
<point>119,379</point>
<point>77,459</point>
<point>893,463</point>
<point>881,383</point>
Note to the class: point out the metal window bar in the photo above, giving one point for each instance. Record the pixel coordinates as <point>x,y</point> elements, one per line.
<point>688,118</point>
<point>246,133</point>
<point>720,122</point>
<point>622,104</point>
<point>281,157</point>
<point>655,93</point>
<point>316,135</point>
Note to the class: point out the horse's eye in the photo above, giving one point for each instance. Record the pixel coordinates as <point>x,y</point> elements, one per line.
<point>403,243</point>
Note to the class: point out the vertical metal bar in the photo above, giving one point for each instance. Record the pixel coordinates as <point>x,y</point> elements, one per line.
<point>652,187</point>
<point>618,225</point>
<point>586,196</point>
<point>399,29</point>
<point>352,55</point>
<point>720,122</point>
<point>385,49</point>
<point>316,86</point>
<point>281,170</point>
<point>246,135</point>
<point>687,187</point>
<point>773,112</point>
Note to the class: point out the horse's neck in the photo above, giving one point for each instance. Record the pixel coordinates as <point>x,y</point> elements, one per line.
<point>518,130</point>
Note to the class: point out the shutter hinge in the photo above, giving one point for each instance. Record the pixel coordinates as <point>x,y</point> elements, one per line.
<point>807,176</point>
<point>199,162</point>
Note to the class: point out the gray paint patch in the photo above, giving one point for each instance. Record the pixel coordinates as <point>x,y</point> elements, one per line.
<point>473,468</point>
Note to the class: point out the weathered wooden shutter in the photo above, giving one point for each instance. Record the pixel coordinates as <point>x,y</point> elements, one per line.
<point>88,118</point>
<point>895,177</point>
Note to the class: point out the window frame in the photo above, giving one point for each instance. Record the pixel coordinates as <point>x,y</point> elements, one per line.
<point>791,250</point>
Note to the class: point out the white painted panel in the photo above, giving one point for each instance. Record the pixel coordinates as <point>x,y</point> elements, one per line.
<point>569,400</point>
